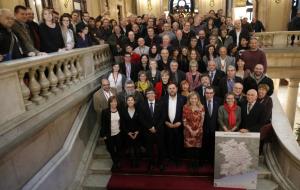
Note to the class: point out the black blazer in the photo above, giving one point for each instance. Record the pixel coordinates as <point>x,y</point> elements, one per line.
<point>199,90</point>
<point>202,48</point>
<point>131,124</point>
<point>255,119</point>
<point>244,33</point>
<point>218,76</point>
<point>223,86</point>
<point>211,122</point>
<point>135,69</point>
<point>250,83</point>
<point>181,100</point>
<point>105,130</point>
<point>179,44</point>
<point>157,120</point>
<point>180,76</point>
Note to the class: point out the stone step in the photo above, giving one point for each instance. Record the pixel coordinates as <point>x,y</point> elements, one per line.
<point>100,166</point>
<point>263,172</point>
<point>101,152</point>
<point>95,182</point>
<point>266,184</point>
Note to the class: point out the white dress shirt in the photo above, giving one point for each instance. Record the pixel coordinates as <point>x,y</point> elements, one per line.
<point>172,108</point>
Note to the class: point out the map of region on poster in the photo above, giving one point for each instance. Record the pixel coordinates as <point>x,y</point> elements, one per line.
<point>236,159</point>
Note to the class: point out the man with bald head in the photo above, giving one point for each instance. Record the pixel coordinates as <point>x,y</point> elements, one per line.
<point>238,32</point>
<point>224,60</point>
<point>252,113</point>
<point>215,74</point>
<point>11,47</point>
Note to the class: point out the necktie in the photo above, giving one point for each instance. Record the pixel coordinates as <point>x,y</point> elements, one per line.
<point>151,108</point>
<point>211,74</point>
<point>209,108</point>
<point>203,91</point>
<point>249,108</point>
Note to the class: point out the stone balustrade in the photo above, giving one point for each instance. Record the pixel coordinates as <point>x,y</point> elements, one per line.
<point>31,82</point>
<point>283,154</point>
<point>279,39</point>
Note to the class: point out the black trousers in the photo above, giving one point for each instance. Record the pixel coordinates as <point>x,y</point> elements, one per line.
<point>133,147</point>
<point>174,142</point>
<point>113,146</point>
<point>155,147</point>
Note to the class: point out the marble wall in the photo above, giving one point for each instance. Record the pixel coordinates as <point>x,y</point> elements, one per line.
<point>21,163</point>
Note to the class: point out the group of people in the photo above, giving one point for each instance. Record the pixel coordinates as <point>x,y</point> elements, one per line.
<point>21,36</point>
<point>174,84</point>
<point>174,80</point>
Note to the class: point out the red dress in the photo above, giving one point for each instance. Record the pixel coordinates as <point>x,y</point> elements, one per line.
<point>193,123</point>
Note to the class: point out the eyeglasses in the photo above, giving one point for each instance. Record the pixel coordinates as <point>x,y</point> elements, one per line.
<point>208,92</point>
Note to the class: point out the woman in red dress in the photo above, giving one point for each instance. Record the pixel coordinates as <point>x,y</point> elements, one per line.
<point>193,118</point>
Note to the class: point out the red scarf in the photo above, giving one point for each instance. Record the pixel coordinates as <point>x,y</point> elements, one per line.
<point>231,114</point>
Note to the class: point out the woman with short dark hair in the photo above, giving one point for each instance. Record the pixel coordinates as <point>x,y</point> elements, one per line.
<point>131,124</point>
<point>229,114</point>
<point>111,130</point>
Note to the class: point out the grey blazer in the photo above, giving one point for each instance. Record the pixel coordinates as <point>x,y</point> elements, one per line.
<point>223,117</point>
<point>228,61</point>
<point>100,102</point>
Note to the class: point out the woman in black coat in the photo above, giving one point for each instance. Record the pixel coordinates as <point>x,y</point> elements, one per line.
<point>111,130</point>
<point>131,125</point>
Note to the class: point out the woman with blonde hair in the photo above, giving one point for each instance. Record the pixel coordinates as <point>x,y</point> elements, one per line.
<point>193,118</point>
<point>50,33</point>
<point>143,83</point>
<point>193,76</point>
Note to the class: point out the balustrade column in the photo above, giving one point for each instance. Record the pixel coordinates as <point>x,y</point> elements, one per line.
<point>292,100</point>
<point>52,79</point>
<point>79,69</point>
<point>35,87</point>
<point>67,73</point>
<point>25,90</point>
<point>60,76</point>
<point>74,71</point>
<point>44,82</point>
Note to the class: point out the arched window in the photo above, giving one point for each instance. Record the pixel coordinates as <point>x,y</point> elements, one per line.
<point>181,6</point>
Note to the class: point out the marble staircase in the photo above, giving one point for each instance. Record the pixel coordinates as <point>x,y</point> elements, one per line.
<point>99,172</point>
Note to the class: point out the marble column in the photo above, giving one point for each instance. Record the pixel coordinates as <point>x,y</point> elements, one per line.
<point>292,100</point>
<point>229,4</point>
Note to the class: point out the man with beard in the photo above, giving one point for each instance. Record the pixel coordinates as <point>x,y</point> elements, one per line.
<point>256,78</point>
<point>129,90</point>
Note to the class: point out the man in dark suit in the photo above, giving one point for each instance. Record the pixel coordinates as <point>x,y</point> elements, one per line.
<point>176,75</point>
<point>252,113</point>
<point>130,70</point>
<point>179,42</point>
<point>215,74</point>
<point>173,105</point>
<point>211,106</point>
<point>202,42</point>
<point>205,82</point>
<point>226,84</point>
<point>153,123</point>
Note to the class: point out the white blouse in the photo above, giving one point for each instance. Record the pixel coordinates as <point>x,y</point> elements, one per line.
<point>116,82</point>
<point>115,123</point>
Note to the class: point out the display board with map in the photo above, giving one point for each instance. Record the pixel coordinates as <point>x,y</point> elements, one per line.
<point>236,159</point>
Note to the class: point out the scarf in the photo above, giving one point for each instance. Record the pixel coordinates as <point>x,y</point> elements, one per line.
<point>143,86</point>
<point>231,114</point>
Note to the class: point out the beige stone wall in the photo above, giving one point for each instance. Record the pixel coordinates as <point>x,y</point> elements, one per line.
<point>275,16</point>
<point>204,6</point>
<point>21,163</point>
<point>11,3</point>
